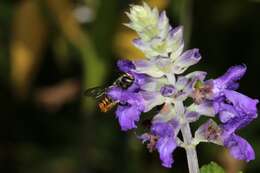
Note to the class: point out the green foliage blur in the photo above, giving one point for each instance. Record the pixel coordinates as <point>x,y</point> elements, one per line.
<point>211,168</point>
<point>51,51</point>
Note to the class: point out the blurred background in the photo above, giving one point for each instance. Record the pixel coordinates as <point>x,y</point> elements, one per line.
<point>52,50</point>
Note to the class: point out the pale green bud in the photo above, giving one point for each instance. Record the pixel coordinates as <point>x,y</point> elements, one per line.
<point>144,20</point>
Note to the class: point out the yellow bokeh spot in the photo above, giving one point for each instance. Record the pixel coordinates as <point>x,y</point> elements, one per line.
<point>124,46</point>
<point>160,4</point>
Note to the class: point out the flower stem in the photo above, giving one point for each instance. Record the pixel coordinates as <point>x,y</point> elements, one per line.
<point>190,149</point>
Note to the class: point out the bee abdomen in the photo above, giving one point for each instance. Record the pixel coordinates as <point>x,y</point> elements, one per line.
<point>106,104</point>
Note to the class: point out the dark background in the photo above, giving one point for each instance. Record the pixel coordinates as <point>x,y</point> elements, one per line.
<point>51,51</point>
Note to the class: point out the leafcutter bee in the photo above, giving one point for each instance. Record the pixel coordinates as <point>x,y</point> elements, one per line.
<point>105,103</point>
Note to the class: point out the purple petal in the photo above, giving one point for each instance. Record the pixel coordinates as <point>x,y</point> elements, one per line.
<point>161,61</point>
<point>192,116</point>
<point>235,124</point>
<point>242,103</point>
<point>187,59</point>
<point>165,147</point>
<point>228,80</point>
<point>235,111</point>
<point>125,65</point>
<point>194,111</point>
<point>226,111</point>
<point>151,99</point>
<point>127,116</point>
<point>175,39</point>
<point>139,81</point>
<point>148,67</point>
<point>209,132</point>
<point>191,56</point>
<point>176,34</point>
<point>115,93</point>
<point>168,90</point>
<point>133,99</point>
<point>125,96</point>
<point>187,83</point>
<point>132,105</point>
<point>143,63</point>
<point>239,148</point>
<point>232,75</point>
<point>198,75</point>
<point>192,79</point>
<point>164,129</point>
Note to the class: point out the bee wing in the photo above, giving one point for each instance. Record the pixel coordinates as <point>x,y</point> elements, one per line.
<point>95,92</point>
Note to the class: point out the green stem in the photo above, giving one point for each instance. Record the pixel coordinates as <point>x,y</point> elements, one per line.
<point>190,149</point>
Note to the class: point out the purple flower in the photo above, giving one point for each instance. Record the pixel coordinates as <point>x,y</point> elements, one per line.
<point>228,80</point>
<point>156,81</point>
<point>235,110</point>
<point>130,107</point>
<point>239,148</point>
<point>166,144</point>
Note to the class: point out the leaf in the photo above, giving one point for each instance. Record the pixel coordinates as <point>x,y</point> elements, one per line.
<point>211,168</point>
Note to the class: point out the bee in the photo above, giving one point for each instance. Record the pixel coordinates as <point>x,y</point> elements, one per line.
<point>105,103</point>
